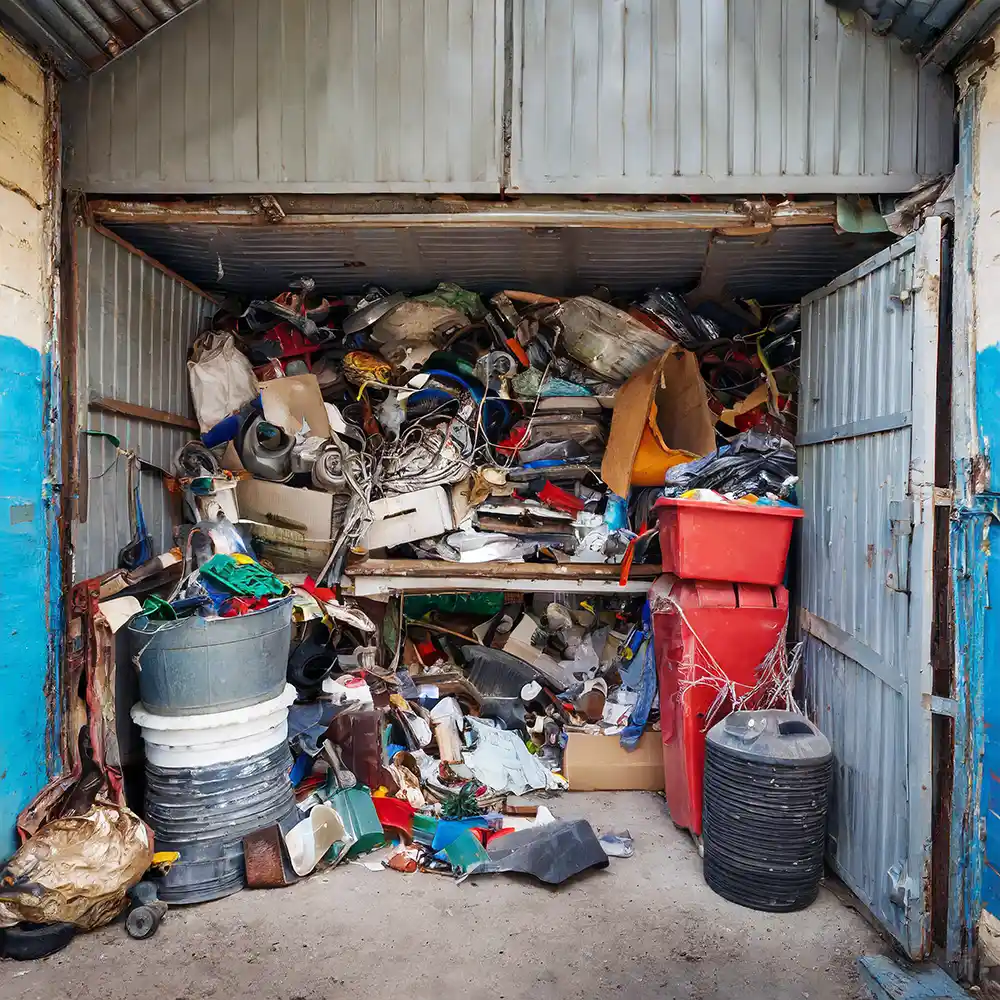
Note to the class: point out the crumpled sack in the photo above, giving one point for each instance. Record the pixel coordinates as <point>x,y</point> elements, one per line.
<point>77,869</point>
<point>221,378</point>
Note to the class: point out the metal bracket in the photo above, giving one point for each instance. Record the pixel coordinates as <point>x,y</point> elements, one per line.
<point>902,888</point>
<point>901,518</point>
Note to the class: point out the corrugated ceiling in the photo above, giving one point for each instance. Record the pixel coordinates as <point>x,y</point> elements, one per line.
<point>919,23</point>
<point>81,36</point>
<point>776,267</point>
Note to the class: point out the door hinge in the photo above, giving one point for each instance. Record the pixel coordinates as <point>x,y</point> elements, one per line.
<point>902,889</point>
<point>901,518</point>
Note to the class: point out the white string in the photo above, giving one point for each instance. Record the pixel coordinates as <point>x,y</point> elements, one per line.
<point>773,687</point>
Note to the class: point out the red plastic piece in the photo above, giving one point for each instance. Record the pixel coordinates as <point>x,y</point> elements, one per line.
<point>559,499</point>
<point>395,813</point>
<point>738,625</point>
<point>730,542</point>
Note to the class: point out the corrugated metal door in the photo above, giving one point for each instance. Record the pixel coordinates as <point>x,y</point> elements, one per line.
<point>135,324</point>
<point>866,457</point>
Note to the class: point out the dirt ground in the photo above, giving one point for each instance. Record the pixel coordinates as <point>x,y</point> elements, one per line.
<point>648,926</point>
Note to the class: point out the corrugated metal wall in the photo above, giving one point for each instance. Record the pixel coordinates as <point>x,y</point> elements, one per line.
<point>298,95</point>
<point>866,424</point>
<point>652,96</point>
<point>135,325</point>
<point>701,96</point>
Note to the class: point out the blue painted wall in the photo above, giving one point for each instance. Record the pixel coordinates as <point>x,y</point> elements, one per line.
<point>28,632</point>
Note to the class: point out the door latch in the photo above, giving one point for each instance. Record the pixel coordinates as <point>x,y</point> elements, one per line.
<point>901,519</point>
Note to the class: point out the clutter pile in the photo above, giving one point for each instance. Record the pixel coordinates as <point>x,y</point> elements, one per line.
<point>448,427</point>
<point>289,727</point>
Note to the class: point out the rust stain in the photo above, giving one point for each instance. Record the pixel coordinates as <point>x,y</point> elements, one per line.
<point>870,555</point>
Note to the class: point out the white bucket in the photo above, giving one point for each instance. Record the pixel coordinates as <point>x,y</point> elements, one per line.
<point>216,737</point>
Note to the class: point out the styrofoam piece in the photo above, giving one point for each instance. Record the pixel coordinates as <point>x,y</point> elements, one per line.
<point>216,737</point>
<point>412,516</point>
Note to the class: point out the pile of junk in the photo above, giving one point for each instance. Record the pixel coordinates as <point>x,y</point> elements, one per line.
<point>289,727</point>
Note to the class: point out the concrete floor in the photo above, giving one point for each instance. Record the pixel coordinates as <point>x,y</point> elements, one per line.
<point>646,927</point>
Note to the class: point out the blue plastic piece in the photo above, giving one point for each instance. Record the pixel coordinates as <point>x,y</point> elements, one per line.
<point>647,685</point>
<point>449,829</point>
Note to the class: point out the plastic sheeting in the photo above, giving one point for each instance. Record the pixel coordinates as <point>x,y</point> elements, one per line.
<point>77,869</point>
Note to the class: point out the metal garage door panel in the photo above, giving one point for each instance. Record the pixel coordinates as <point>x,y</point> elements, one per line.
<point>866,457</point>
<point>713,96</point>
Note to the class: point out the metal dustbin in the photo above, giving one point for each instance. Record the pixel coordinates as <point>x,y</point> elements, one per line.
<point>196,665</point>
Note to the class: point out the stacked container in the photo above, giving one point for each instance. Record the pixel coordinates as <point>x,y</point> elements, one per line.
<point>716,615</point>
<point>214,718</point>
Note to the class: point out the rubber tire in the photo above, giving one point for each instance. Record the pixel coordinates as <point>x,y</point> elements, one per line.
<point>26,942</point>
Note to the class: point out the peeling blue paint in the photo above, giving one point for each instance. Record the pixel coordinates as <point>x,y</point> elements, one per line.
<point>27,563</point>
<point>972,528</point>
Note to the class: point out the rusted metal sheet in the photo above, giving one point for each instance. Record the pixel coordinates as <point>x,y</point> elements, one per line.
<point>135,322</point>
<point>773,266</point>
<point>80,36</point>
<point>866,459</point>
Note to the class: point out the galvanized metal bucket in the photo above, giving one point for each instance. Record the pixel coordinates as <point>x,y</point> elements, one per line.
<point>196,665</point>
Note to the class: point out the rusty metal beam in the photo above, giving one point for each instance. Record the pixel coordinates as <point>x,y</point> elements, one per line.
<point>401,210</point>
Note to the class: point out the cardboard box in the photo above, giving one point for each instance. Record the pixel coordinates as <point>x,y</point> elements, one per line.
<point>308,512</point>
<point>600,764</point>
<point>672,392</point>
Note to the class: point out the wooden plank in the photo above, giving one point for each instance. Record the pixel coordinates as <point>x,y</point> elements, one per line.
<point>105,404</point>
<point>498,570</point>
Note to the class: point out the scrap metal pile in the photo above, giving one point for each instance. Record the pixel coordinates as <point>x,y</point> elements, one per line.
<point>450,427</point>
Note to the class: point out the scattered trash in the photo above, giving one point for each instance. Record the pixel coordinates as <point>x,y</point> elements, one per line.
<point>551,853</point>
<point>617,845</point>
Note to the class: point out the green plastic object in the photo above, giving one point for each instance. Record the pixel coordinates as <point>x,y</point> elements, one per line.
<point>455,297</point>
<point>158,610</point>
<point>424,828</point>
<point>485,603</point>
<point>465,851</point>
<point>245,579</point>
<point>357,812</point>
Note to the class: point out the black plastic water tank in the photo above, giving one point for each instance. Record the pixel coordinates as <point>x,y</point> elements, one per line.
<point>767,782</point>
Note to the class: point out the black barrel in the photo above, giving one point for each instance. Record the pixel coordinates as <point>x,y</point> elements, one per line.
<point>767,785</point>
<point>205,812</point>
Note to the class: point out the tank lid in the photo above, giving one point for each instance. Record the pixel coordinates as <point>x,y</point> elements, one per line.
<point>771,735</point>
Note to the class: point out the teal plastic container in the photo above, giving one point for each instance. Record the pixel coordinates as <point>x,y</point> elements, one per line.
<point>357,812</point>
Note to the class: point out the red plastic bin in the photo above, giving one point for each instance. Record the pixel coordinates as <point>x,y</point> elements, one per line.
<point>695,622</point>
<point>728,542</point>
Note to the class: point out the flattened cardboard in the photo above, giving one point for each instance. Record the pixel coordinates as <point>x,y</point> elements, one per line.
<point>293,399</point>
<point>683,417</point>
<point>600,764</point>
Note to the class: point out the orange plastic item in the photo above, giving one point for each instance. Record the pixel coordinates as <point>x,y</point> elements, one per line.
<point>654,458</point>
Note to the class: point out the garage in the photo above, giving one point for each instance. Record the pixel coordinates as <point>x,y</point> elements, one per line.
<point>167,228</point>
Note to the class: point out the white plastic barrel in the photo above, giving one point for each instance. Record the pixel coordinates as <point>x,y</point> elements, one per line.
<point>216,737</point>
